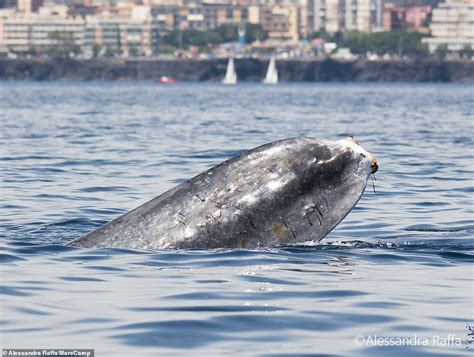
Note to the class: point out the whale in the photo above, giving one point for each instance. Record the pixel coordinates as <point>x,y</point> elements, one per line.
<point>284,192</point>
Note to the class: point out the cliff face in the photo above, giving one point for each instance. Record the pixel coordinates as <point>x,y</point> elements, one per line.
<point>247,70</point>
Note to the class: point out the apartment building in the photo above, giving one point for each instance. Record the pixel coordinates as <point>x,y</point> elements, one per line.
<point>452,26</point>
<point>345,15</point>
<point>124,35</point>
<point>22,32</point>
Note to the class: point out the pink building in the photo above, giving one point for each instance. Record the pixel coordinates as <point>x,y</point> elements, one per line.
<point>410,18</point>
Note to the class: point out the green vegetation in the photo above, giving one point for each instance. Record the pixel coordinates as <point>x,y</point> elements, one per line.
<point>253,33</point>
<point>110,52</point>
<point>441,52</point>
<point>467,51</point>
<point>96,50</point>
<point>133,51</point>
<point>63,44</point>
<point>336,37</point>
<point>221,34</point>
<point>399,42</point>
<point>186,38</point>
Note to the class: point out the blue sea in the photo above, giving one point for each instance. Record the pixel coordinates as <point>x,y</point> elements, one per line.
<point>394,278</point>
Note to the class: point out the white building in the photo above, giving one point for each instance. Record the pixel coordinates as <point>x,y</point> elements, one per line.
<point>341,15</point>
<point>33,31</point>
<point>125,35</point>
<point>452,26</point>
<point>21,32</point>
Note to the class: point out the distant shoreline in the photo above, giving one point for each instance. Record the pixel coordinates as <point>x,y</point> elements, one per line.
<point>429,70</point>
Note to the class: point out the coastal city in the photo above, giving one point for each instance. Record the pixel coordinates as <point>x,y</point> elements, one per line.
<point>213,29</point>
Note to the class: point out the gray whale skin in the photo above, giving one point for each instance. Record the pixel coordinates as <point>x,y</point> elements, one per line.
<point>287,191</point>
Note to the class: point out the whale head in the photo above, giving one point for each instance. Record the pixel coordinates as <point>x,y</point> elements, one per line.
<point>324,182</point>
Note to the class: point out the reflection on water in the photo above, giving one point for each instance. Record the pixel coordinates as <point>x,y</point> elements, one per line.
<point>75,155</point>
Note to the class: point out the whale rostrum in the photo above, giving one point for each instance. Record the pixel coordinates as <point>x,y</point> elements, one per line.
<point>287,191</point>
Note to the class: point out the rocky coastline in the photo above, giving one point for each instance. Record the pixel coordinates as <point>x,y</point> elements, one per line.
<point>428,70</point>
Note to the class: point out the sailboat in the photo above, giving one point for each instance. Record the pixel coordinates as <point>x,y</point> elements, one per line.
<point>230,75</point>
<point>272,73</point>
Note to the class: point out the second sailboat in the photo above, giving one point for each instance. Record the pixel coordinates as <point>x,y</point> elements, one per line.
<point>230,74</point>
<point>272,73</point>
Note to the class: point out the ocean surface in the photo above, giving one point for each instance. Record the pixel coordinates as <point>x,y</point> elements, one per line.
<point>394,278</point>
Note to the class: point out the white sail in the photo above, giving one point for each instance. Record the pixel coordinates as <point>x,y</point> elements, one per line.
<point>272,73</point>
<point>230,74</point>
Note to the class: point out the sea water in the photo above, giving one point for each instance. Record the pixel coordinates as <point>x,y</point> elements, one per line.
<point>394,278</point>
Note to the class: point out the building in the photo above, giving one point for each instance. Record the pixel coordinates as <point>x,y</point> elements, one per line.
<point>29,6</point>
<point>417,17</point>
<point>4,4</point>
<point>134,35</point>
<point>198,16</point>
<point>23,33</point>
<point>345,15</point>
<point>223,14</point>
<point>364,15</point>
<point>452,26</point>
<point>168,17</point>
<point>125,36</point>
<point>281,22</point>
<point>414,18</point>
